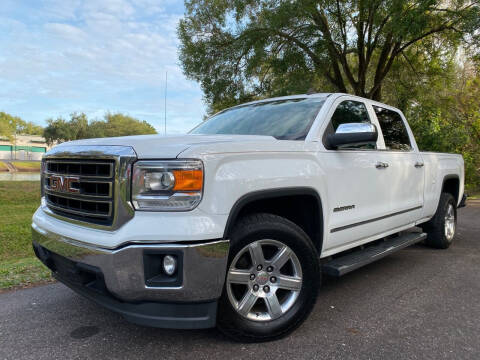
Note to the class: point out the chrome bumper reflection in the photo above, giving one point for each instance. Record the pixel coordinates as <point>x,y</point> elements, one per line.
<point>204,267</point>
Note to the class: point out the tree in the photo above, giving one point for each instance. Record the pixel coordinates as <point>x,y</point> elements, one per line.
<point>78,127</point>
<point>239,50</point>
<point>57,131</point>
<point>28,128</point>
<point>117,124</point>
<point>11,125</point>
<point>448,120</point>
<point>7,125</point>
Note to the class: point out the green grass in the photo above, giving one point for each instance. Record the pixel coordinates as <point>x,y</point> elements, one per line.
<point>22,272</point>
<point>27,165</point>
<point>18,264</point>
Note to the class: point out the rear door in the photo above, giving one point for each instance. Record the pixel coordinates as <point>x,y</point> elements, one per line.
<point>405,175</point>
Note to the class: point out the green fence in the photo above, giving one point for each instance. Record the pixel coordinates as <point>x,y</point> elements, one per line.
<point>40,149</point>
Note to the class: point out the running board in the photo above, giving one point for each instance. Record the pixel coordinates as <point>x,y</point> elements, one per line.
<point>354,260</point>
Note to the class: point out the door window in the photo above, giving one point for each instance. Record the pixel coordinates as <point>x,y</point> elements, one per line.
<point>348,111</point>
<point>394,131</point>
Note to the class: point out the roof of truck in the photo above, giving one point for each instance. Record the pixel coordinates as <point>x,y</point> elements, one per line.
<point>317,95</point>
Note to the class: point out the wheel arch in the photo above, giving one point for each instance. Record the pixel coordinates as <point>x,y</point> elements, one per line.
<point>304,208</point>
<point>451,185</point>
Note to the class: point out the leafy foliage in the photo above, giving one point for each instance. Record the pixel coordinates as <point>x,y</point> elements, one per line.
<point>449,121</point>
<point>78,127</point>
<point>239,50</point>
<point>29,128</point>
<point>9,125</point>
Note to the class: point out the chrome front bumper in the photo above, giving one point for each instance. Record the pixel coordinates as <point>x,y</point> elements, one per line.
<point>203,267</point>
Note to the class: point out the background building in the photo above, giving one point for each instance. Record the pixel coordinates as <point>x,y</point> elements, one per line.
<point>25,147</point>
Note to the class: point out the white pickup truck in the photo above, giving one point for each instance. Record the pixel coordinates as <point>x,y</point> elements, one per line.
<point>233,224</point>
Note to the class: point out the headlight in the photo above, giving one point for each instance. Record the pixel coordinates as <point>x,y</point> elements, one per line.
<point>169,185</point>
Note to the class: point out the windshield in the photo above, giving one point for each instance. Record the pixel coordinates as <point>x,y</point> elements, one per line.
<point>288,119</point>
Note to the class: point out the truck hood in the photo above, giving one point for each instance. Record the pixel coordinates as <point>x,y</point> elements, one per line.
<point>164,147</point>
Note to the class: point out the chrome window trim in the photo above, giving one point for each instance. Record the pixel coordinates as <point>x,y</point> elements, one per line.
<point>123,156</point>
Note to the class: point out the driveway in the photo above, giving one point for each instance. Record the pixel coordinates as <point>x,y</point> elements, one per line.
<point>419,303</point>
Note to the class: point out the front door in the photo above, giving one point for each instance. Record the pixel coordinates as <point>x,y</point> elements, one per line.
<point>357,184</point>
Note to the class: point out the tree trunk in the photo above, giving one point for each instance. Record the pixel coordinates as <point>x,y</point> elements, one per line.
<point>377,95</point>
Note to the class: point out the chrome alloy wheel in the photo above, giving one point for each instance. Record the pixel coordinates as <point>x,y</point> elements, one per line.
<point>450,222</point>
<point>264,280</point>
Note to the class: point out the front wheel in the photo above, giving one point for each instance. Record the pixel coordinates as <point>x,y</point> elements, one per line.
<point>272,279</point>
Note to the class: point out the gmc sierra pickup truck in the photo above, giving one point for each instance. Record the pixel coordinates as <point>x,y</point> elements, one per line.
<point>233,224</point>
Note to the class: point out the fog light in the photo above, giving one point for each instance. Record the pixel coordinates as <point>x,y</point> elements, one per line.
<point>169,264</point>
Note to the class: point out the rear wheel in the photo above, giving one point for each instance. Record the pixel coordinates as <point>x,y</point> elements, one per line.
<point>272,279</point>
<point>442,227</point>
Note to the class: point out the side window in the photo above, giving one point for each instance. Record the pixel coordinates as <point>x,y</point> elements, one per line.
<point>348,111</point>
<point>394,131</point>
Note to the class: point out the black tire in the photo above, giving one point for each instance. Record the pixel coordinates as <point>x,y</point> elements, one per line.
<point>435,227</point>
<point>267,226</point>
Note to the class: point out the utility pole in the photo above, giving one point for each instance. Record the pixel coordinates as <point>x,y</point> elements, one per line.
<point>15,141</point>
<point>165,105</point>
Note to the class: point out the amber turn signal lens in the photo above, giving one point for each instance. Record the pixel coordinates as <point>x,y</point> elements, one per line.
<point>188,180</point>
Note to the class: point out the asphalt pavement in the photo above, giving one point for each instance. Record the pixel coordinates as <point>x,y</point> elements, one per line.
<point>418,303</point>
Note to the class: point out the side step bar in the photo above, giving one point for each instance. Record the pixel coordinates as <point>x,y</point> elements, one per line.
<point>344,264</point>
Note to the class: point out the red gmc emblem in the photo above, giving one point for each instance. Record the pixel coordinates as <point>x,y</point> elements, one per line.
<point>63,184</point>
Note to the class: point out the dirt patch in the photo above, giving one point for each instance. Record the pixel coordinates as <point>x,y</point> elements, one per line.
<point>28,286</point>
<point>6,167</point>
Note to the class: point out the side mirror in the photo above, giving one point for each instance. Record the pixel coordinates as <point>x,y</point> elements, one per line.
<point>353,134</point>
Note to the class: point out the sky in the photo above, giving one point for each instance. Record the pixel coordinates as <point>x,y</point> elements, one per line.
<point>94,56</point>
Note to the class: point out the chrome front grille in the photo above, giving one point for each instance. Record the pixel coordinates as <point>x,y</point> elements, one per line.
<point>88,185</point>
<point>95,169</point>
<point>81,189</point>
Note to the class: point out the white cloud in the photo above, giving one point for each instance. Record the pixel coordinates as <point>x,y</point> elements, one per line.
<point>92,55</point>
<point>67,32</point>
<point>120,9</point>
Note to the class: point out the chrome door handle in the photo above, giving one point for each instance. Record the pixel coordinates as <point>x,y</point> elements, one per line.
<point>381,165</point>
<point>418,164</point>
